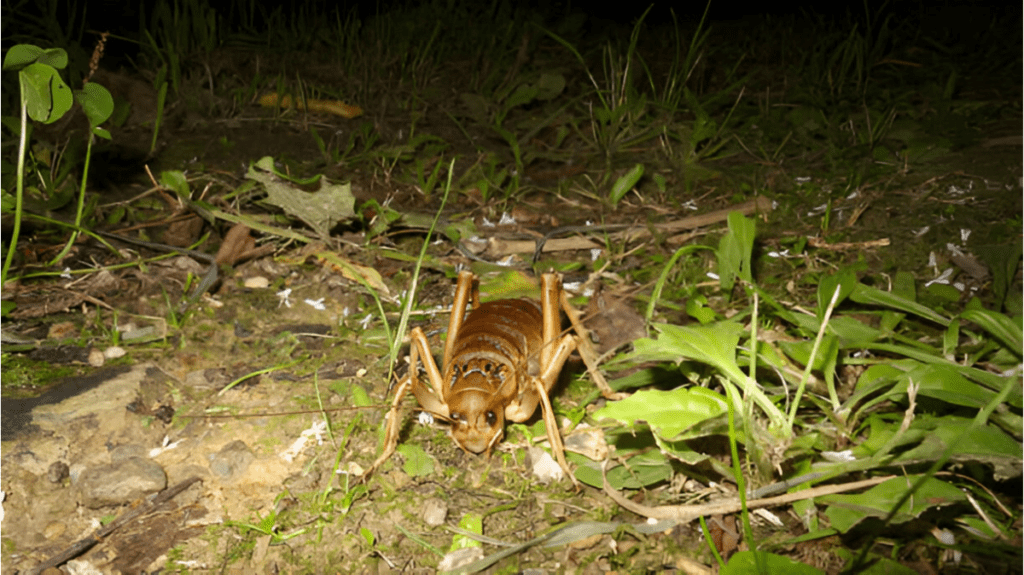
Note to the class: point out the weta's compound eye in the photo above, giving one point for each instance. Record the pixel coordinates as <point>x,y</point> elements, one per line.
<point>491,418</point>
<point>487,367</point>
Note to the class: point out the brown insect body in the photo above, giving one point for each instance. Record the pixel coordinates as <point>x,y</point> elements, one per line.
<point>498,341</point>
<point>500,362</point>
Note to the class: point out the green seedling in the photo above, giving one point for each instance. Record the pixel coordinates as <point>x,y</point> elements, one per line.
<point>267,526</point>
<point>46,98</point>
<point>624,184</point>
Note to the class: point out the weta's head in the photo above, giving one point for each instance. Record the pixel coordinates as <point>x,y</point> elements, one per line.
<point>478,421</point>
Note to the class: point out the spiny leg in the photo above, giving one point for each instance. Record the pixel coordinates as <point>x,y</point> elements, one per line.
<point>587,351</point>
<point>466,291</point>
<point>543,383</point>
<point>391,431</point>
<point>550,288</point>
<point>419,347</point>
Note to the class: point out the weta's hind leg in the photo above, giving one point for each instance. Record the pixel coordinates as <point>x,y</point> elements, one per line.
<point>587,351</point>
<point>466,292</point>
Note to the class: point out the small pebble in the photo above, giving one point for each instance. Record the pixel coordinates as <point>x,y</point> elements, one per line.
<point>232,460</point>
<point>57,472</point>
<point>256,282</point>
<point>545,469</point>
<point>114,352</point>
<point>460,557</point>
<point>54,530</point>
<point>434,512</point>
<point>96,358</point>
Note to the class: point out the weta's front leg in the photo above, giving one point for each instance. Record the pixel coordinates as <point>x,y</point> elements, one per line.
<point>430,399</point>
<point>552,359</point>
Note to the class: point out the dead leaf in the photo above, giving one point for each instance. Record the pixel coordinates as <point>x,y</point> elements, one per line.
<point>238,241</point>
<point>357,273</point>
<point>320,210</point>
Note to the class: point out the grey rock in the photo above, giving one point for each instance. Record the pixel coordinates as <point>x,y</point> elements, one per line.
<point>434,511</point>
<point>57,472</point>
<point>232,460</point>
<point>121,482</point>
<point>126,452</point>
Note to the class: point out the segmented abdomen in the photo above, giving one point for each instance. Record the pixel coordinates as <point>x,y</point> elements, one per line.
<point>505,331</point>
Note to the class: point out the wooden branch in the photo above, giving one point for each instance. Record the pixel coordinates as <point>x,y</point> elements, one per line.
<point>83,545</point>
<point>497,247</point>
<point>687,513</point>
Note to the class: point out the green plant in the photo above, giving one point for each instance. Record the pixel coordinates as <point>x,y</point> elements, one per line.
<point>620,118</point>
<point>268,526</point>
<point>852,324</point>
<point>46,98</point>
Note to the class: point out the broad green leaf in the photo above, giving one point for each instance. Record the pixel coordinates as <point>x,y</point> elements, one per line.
<point>360,398</point>
<point>21,55</point>
<point>761,562</point>
<point>985,444</point>
<point>1003,261</point>
<point>646,469</point>
<point>983,528</point>
<point>417,462</point>
<point>951,340</point>
<point>800,351</point>
<point>624,184</point>
<point>714,344</point>
<point>266,163</point>
<point>845,280</point>
<point>96,102</point>
<point>697,308</point>
<point>641,378</point>
<point>946,383</point>
<point>874,296</point>
<point>885,566</point>
<point>880,430</point>
<point>524,94</point>
<point>939,381</point>
<point>47,97</point>
<point>681,450</point>
<point>508,284</point>
<point>852,332</point>
<point>175,180</point>
<point>930,436</point>
<point>550,85</point>
<point>369,277</point>
<point>472,522</point>
<point>669,413</point>
<point>846,511</point>
<point>992,381</point>
<point>903,286</point>
<point>735,250</point>
<point>877,377</point>
<point>1007,331</point>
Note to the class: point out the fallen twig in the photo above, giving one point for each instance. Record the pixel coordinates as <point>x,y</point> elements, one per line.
<point>687,513</point>
<point>83,545</point>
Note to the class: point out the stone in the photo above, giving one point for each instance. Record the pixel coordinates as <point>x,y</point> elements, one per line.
<point>232,460</point>
<point>120,483</point>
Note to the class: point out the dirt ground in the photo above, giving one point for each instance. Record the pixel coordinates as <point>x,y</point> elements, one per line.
<point>229,404</point>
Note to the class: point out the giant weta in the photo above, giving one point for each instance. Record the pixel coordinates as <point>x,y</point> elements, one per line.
<point>500,361</point>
